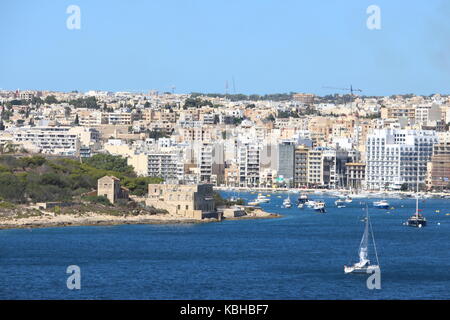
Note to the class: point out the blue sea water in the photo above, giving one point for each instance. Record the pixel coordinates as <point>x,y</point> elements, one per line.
<point>298,256</point>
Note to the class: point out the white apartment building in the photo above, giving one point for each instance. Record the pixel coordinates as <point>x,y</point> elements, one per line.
<point>249,164</point>
<point>315,167</point>
<point>56,140</point>
<point>52,140</point>
<point>395,157</point>
<point>121,118</point>
<point>166,165</point>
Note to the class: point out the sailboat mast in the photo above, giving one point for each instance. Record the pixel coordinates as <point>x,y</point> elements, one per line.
<point>373,239</point>
<point>417,182</point>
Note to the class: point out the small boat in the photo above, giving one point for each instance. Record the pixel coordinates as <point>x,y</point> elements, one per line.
<point>339,202</point>
<point>262,198</point>
<point>382,204</point>
<point>310,203</point>
<point>364,265</point>
<point>348,199</point>
<point>302,198</point>
<point>301,205</point>
<point>253,203</point>
<point>287,202</point>
<point>341,206</point>
<point>417,220</point>
<point>319,206</point>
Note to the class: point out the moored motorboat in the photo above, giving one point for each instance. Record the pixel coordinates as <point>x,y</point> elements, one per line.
<point>381,204</point>
<point>319,206</point>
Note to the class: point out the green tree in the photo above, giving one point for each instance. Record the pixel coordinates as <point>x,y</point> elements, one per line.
<point>11,187</point>
<point>109,162</point>
<point>50,99</point>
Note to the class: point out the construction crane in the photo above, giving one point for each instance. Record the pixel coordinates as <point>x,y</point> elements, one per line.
<point>345,89</point>
<point>351,89</point>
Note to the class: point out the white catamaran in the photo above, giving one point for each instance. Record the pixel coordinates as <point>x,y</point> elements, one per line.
<point>364,263</point>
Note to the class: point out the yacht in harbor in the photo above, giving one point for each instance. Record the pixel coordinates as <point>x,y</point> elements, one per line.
<point>287,202</point>
<point>340,203</point>
<point>381,204</point>
<point>417,220</point>
<point>364,263</point>
<point>310,203</point>
<point>319,206</point>
<point>302,198</point>
<point>262,198</point>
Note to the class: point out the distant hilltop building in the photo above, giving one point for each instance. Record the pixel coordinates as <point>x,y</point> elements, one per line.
<point>304,98</point>
<point>109,186</point>
<point>190,201</point>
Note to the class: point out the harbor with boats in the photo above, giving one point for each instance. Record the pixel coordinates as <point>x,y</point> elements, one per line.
<point>303,254</point>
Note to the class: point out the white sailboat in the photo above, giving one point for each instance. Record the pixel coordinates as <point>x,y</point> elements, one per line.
<point>417,220</point>
<point>287,202</point>
<point>364,263</point>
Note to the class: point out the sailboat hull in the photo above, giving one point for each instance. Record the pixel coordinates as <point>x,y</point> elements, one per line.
<point>356,269</point>
<point>416,223</point>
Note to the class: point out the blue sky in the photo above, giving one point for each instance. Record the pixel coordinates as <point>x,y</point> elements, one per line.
<point>267,46</point>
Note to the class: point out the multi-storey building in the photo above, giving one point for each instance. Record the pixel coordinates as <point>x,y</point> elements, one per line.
<point>397,157</point>
<point>166,165</point>
<point>90,118</point>
<point>56,140</point>
<point>355,173</point>
<point>439,167</point>
<point>249,164</point>
<point>121,118</point>
<point>301,166</point>
<point>285,162</point>
<point>315,167</point>
<point>231,173</point>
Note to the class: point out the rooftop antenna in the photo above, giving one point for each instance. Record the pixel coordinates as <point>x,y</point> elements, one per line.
<point>234,86</point>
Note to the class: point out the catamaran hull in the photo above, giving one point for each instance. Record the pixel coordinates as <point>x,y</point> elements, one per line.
<point>365,270</point>
<point>416,224</point>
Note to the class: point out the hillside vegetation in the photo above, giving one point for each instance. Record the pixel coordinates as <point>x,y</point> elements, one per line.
<point>37,179</point>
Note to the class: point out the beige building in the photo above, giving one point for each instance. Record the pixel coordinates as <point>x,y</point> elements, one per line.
<point>190,201</point>
<point>301,166</point>
<point>305,98</point>
<point>109,186</point>
<point>356,173</point>
<point>315,167</point>
<point>438,170</point>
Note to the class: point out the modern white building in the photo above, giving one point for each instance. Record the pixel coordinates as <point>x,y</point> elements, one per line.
<point>249,164</point>
<point>166,165</point>
<point>56,140</point>
<point>395,156</point>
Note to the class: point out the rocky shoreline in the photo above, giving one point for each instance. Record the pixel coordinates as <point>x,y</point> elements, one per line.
<point>49,221</point>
